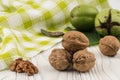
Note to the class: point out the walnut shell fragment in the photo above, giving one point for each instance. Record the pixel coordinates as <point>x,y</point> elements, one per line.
<point>109,45</point>
<point>60,59</point>
<point>83,60</point>
<point>20,65</point>
<point>74,41</point>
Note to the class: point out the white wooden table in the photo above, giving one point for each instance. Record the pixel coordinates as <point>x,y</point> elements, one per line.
<point>106,68</point>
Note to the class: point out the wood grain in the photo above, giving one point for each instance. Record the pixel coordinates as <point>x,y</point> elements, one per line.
<point>106,68</point>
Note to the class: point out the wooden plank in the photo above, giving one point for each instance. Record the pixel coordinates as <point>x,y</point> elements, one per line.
<point>7,75</point>
<point>106,68</point>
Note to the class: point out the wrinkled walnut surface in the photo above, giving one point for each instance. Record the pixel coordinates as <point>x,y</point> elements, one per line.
<point>83,60</point>
<point>60,59</point>
<point>20,65</point>
<point>109,45</point>
<point>74,41</point>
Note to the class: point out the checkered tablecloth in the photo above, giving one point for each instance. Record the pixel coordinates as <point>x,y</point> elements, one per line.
<point>22,20</point>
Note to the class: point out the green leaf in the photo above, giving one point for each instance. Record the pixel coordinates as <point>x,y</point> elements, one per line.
<point>51,34</point>
<point>93,37</point>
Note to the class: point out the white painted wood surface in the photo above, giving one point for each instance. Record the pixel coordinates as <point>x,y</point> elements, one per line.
<point>106,68</point>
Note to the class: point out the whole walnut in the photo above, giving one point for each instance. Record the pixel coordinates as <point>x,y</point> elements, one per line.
<point>74,41</point>
<point>83,60</point>
<point>109,45</point>
<point>60,59</point>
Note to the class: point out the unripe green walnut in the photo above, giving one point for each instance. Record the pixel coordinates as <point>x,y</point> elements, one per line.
<point>82,17</point>
<point>107,22</point>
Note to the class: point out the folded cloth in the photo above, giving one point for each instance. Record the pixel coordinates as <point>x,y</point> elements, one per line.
<point>22,20</point>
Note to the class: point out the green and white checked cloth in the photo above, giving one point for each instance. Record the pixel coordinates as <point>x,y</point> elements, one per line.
<point>22,20</point>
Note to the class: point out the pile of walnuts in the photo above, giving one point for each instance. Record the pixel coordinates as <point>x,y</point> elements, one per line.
<point>74,53</point>
<point>20,66</point>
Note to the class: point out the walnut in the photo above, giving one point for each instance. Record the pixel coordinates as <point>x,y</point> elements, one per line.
<point>74,41</point>
<point>20,66</point>
<point>14,64</point>
<point>29,68</point>
<point>83,60</point>
<point>60,59</point>
<point>109,45</point>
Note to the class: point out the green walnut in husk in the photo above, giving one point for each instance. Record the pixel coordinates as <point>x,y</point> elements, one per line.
<point>107,22</point>
<point>82,17</point>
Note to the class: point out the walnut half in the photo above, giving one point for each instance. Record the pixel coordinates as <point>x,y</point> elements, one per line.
<point>20,65</point>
